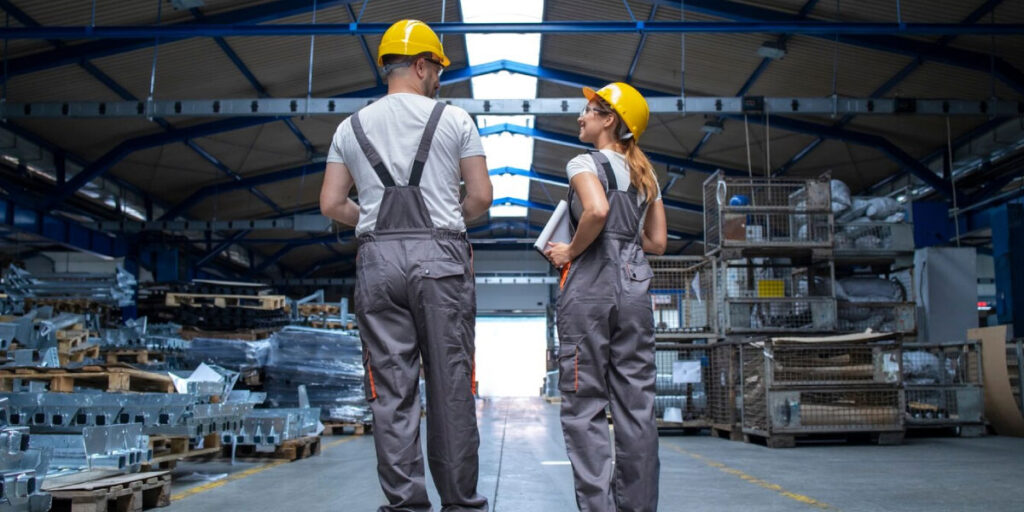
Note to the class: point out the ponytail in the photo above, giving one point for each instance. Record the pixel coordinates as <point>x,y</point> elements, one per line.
<point>641,172</point>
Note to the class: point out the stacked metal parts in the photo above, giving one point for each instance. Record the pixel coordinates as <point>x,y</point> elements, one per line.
<point>803,386</point>
<point>329,363</point>
<point>169,414</point>
<point>153,347</point>
<point>944,386</point>
<point>266,429</point>
<point>46,339</point>
<point>22,469</point>
<point>117,289</point>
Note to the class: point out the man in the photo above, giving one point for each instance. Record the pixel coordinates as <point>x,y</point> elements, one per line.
<point>415,291</point>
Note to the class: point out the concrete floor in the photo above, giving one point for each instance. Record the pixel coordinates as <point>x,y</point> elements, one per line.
<point>523,468</point>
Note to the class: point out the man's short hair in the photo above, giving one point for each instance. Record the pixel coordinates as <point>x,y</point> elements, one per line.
<point>393,61</point>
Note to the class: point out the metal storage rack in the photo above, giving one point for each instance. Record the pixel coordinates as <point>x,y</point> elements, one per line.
<point>793,389</point>
<point>944,389</point>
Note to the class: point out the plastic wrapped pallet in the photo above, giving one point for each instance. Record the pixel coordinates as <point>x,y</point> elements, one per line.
<point>329,363</point>
<point>237,355</point>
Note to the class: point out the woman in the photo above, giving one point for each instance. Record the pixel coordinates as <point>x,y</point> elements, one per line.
<point>605,322</point>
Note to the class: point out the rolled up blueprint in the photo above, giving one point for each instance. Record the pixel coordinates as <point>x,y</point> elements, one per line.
<point>556,230</point>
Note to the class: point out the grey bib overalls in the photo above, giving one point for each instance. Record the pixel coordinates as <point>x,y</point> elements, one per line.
<point>606,358</point>
<point>416,298</point>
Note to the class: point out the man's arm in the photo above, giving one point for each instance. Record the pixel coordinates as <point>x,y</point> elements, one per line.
<point>479,192</point>
<point>334,201</point>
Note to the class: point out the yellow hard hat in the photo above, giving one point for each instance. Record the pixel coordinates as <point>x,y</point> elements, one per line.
<point>410,37</point>
<point>625,101</point>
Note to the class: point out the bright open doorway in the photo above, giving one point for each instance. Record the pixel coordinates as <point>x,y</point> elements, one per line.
<point>510,355</point>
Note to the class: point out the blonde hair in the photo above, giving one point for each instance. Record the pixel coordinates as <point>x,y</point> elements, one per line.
<point>641,170</point>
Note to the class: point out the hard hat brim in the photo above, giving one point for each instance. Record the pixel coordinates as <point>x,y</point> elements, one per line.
<point>589,93</point>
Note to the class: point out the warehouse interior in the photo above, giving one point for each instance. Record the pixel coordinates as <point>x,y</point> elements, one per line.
<point>834,314</point>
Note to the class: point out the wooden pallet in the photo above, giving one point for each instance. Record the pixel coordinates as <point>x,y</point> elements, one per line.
<point>79,354</point>
<point>125,493</point>
<point>106,378</point>
<point>290,450</point>
<point>168,450</point>
<point>330,324</point>
<point>264,302</point>
<point>134,356</point>
<point>241,334</point>
<point>790,440</point>
<point>688,427</point>
<point>317,309</point>
<point>730,432</point>
<point>337,428</point>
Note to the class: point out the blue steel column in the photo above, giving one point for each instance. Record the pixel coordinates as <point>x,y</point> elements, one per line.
<point>1007,222</point>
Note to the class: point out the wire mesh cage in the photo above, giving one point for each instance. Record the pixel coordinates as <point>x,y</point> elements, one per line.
<point>882,303</point>
<point>775,295</point>
<point>823,365</point>
<point>778,315</point>
<point>683,372</point>
<point>682,295</point>
<point>766,212</point>
<point>773,278</point>
<point>812,387</point>
<point>854,238</point>
<point>819,411</point>
<point>943,383</point>
<point>723,386</point>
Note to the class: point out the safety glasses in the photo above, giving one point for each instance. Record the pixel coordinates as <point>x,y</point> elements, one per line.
<point>587,109</point>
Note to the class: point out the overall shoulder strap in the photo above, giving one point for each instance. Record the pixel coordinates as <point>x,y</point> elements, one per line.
<point>603,163</point>
<point>424,149</point>
<point>371,152</point>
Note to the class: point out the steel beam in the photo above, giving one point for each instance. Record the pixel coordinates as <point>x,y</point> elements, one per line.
<point>913,48</point>
<point>858,33</point>
<point>269,11</point>
<point>889,84</point>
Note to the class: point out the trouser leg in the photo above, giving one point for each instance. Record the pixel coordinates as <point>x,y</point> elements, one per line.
<point>631,379</point>
<point>446,319</point>
<point>391,360</point>
<point>583,343</point>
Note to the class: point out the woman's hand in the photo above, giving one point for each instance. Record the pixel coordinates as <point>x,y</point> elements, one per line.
<point>558,254</point>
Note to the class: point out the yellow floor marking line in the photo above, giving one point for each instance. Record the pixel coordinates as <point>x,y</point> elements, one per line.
<point>192,491</point>
<point>754,480</point>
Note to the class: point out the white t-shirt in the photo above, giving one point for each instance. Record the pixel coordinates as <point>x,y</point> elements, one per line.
<point>586,163</point>
<point>394,125</point>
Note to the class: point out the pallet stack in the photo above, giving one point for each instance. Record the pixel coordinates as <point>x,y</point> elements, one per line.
<point>226,306</point>
<point>775,250</point>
